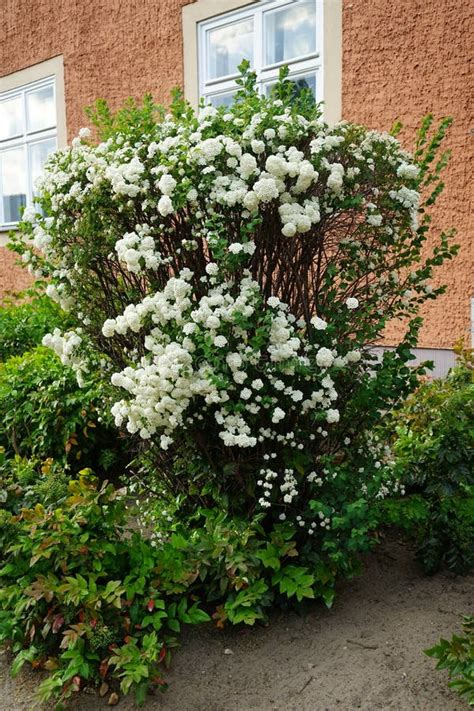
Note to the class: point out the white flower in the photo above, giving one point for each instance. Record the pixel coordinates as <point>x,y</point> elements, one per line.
<point>167,184</point>
<point>319,323</point>
<point>165,206</point>
<point>332,416</point>
<point>235,247</point>
<point>165,441</point>
<point>352,302</point>
<point>324,357</point>
<point>273,301</point>
<point>84,133</point>
<point>353,356</point>
<point>108,327</point>
<point>266,189</point>
<point>220,341</point>
<point>212,269</point>
<point>408,171</point>
<point>257,146</point>
<point>246,394</point>
<point>375,219</point>
<point>29,214</point>
<point>278,414</point>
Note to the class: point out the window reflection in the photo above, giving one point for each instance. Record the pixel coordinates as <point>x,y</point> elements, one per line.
<point>39,153</point>
<point>40,109</point>
<point>290,32</point>
<point>14,182</point>
<point>11,118</point>
<point>228,46</point>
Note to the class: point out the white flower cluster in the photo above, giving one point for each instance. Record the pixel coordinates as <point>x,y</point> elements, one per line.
<point>137,250</point>
<point>66,346</point>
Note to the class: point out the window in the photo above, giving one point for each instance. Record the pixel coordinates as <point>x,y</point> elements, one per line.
<point>270,34</point>
<point>28,134</point>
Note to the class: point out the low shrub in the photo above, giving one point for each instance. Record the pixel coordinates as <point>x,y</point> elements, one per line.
<point>89,600</point>
<point>434,462</point>
<point>248,565</point>
<point>23,324</point>
<point>82,597</point>
<point>44,414</point>
<point>457,656</point>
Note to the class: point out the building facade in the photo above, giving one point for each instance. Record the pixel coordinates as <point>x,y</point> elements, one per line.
<point>370,62</point>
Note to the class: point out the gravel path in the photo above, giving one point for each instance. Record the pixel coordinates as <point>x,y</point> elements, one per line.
<point>366,653</point>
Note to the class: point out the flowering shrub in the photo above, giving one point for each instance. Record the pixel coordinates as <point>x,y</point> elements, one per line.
<point>233,269</point>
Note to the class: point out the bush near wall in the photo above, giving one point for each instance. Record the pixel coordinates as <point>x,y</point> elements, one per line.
<point>44,414</point>
<point>433,446</point>
<point>230,272</point>
<point>23,323</point>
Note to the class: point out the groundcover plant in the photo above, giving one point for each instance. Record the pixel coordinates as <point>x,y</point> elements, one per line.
<point>230,271</point>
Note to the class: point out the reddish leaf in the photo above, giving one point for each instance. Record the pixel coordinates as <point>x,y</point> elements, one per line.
<point>103,668</point>
<point>58,623</point>
<point>150,605</point>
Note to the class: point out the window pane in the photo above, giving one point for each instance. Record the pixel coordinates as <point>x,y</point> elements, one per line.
<point>11,118</point>
<point>227,47</point>
<point>306,81</point>
<point>290,32</point>
<point>40,109</point>
<point>38,155</point>
<point>221,99</point>
<point>13,183</point>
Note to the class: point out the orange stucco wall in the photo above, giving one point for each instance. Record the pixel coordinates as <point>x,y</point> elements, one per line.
<point>401,59</point>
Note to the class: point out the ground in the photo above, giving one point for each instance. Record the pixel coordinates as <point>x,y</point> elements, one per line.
<point>366,653</point>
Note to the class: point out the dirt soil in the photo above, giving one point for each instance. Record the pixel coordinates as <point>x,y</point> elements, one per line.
<point>366,653</point>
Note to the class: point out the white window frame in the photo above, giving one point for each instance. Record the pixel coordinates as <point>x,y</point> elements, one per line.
<point>266,74</point>
<point>203,15</point>
<point>26,139</point>
<point>20,82</point>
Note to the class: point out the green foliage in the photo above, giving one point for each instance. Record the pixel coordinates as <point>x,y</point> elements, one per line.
<point>131,120</point>
<point>434,461</point>
<point>44,414</point>
<point>23,325</point>
<point>245,566</point>
<point>81,598</point>
<point>457,655</point>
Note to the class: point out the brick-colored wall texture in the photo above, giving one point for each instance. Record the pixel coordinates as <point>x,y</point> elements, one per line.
<point>400,60</point>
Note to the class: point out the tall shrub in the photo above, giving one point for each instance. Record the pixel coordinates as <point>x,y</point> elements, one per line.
<point>233,269</point>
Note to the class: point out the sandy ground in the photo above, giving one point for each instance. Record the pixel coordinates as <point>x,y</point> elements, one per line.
<point>365,653</point>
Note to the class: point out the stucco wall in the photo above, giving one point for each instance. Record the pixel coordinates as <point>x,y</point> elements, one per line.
<point>400,60</point>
